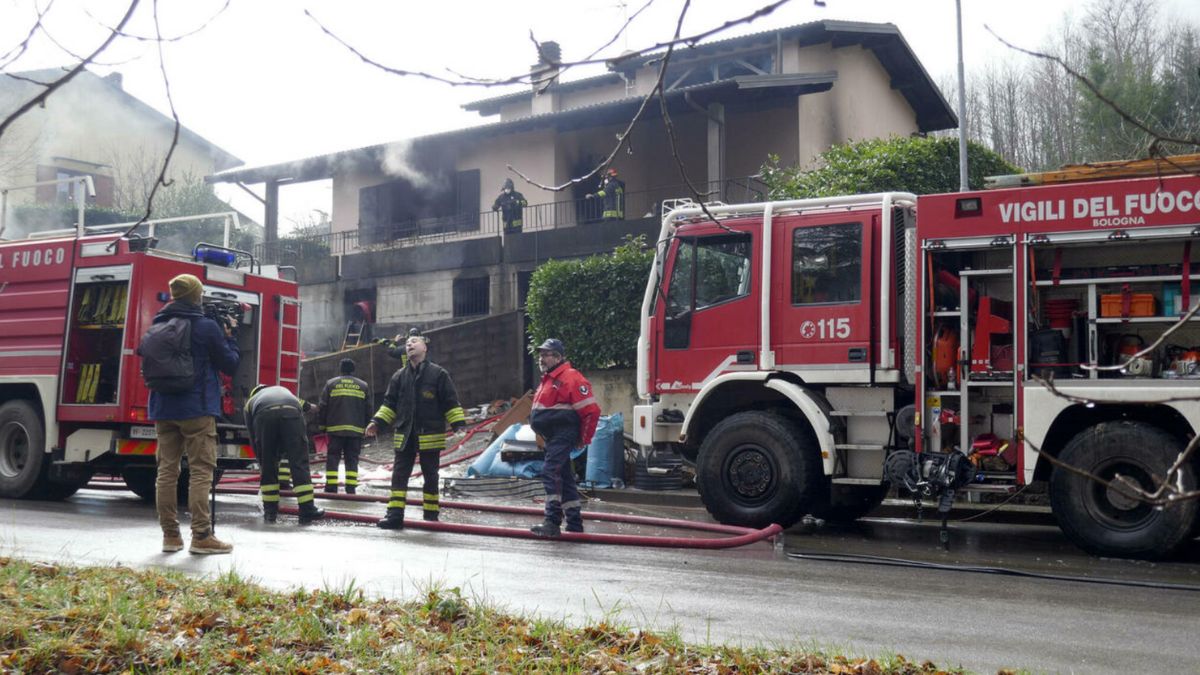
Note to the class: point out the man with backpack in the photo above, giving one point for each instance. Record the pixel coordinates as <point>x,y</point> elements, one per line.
<point>182,354</point>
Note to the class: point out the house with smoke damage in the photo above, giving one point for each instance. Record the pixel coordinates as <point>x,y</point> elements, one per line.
<point>92,126</point>
<point>414,237</point>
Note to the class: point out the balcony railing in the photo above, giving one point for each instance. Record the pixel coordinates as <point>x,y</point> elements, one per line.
<point>535,217</point>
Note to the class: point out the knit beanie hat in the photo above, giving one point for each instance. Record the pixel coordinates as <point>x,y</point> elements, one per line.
<point>187,287</point>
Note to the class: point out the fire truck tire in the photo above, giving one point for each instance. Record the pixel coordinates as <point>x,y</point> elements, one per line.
<point>757,468</point>
<point>143,482</point>
<point>58,491</point>
<point>23,459</point>
<point>847,503</point>
<point>1104,521</point>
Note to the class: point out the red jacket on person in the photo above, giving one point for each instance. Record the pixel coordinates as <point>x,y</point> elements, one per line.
<point>564,404</point>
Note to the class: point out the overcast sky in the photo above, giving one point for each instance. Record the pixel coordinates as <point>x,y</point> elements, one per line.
<point>264,83</point>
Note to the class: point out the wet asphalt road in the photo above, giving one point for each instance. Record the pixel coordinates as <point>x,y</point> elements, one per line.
<point>753,595</point>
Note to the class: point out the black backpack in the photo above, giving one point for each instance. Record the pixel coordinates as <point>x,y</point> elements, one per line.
<point>166,351</point>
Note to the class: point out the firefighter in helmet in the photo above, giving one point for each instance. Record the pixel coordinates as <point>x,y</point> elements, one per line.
<point>343,415</point>
<point>612,192</point>
<point>420,402</point>
<point>511,205</point>
<point>275,419</point>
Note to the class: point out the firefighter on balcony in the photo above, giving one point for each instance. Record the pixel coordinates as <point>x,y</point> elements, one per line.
<point>511,205</point>
<point>420,402</point>
<point>612,191</point>
<point>343,414</point>
<point>565,414</point>
<point>275,418</point>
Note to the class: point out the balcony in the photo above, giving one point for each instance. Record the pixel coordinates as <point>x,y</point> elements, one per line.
<point>536,217</point>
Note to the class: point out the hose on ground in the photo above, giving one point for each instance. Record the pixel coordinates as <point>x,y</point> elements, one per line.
<point>865,559</point>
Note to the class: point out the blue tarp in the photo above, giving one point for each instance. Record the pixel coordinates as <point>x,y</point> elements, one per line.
<point>606,455</point>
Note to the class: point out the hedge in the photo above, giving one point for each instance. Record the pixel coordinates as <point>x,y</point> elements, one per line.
<point>592,304</point>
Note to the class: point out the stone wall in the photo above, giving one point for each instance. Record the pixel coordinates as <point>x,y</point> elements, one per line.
<point>616,391</point>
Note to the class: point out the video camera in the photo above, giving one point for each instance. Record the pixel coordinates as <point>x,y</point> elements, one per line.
<point>225,313</point>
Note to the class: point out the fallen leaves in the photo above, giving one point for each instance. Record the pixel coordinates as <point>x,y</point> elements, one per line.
<point>117,620</point>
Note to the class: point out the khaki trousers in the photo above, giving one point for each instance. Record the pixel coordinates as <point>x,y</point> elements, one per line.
<point>197,439</point>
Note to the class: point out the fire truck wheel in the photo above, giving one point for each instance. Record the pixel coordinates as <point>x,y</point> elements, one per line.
<point>143,482</point>
<point>22,449</point>
<point>1105,521</point>
<point>57,491</point>
<point>757,468</point>
<point>847,503</point>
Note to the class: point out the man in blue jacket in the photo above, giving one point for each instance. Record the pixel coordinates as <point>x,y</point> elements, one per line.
<point>186,423</point>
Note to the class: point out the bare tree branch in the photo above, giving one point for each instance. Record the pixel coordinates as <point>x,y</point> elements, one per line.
<point>525,78</point>
<point>50,88</point>
<point>19,49</point>
<point>174,38</point>
<point>1167,493</point>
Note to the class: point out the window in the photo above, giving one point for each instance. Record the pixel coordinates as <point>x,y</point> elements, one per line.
<point>827,264</point>
<point>471,296</point>
<point>723,270</point>
<point>679,297</point>
<point>708,272</point>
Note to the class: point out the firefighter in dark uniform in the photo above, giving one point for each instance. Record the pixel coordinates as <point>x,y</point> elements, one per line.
<point>420,402</point>
<point>511,205</point>
<point>343,415</point>
<point>612,191</point>
<point>565,414</point>
<point>275,419</point>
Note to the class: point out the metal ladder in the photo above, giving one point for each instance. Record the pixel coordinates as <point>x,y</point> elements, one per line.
<point>284,326</point>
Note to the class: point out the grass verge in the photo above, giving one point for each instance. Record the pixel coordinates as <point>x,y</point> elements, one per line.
<point>59,619</point>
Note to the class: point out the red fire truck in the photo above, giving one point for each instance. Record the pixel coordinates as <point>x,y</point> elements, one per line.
<point>806,355</point>
<point>73,308</point>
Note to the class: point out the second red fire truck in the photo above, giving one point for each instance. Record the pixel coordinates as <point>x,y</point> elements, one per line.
<point>808,354</point>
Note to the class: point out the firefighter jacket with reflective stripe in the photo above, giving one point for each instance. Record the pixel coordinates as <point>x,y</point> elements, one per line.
<point>564,404</point>
<point>612,191</point>
<point>420,400</point>
<point>345,406</point>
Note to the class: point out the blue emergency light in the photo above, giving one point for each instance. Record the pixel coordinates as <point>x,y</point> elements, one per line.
<point>214,256</point>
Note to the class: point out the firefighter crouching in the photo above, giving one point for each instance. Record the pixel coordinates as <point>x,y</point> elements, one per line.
<point>275,418</point>
<point>565,414</point>
<point>343,415</point>
<point>420,402</point>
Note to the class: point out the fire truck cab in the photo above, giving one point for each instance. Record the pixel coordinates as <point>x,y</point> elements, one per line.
<point>808,355</point>
<point>73,310</point>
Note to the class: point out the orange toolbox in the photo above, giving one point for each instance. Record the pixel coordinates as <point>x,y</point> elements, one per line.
<point>1140,304</point>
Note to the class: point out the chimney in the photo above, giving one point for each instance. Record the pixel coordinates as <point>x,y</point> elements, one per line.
<point>116,80</point>
<point>544,76</point>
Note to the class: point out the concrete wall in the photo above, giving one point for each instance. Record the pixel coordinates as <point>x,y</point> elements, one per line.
<point>616,392</point>
<point>484,357</point>
<point>862,103</point>
<point>532,152</point>
<point>747,147</point>
<point>867,105</point>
